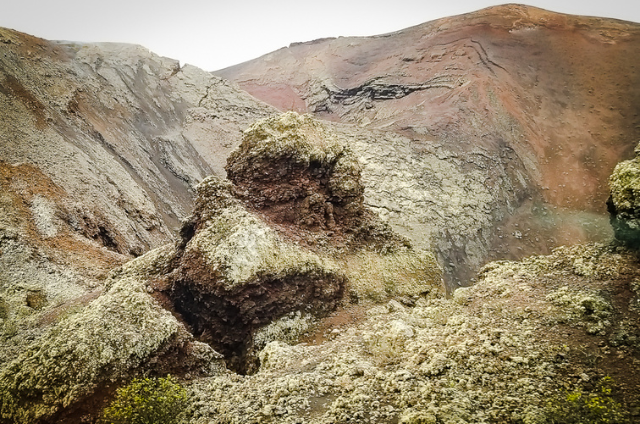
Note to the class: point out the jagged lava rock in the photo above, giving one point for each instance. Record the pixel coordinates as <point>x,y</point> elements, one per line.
<point>236,274</point>
<point>302,173</point>
<point>119,335</point>
<point>624,202</point>
<point>257,248</point>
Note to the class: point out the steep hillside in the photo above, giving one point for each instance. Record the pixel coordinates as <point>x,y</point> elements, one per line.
<point>126,131</point>
<point>539,105</point>
<point>157,219</point>
<point>100,148</point>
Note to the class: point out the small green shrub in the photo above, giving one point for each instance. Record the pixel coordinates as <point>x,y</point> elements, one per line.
<point>147,401</point>
<point>578,407</point>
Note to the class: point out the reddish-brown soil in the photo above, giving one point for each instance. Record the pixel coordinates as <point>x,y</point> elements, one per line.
<point>81,248</point>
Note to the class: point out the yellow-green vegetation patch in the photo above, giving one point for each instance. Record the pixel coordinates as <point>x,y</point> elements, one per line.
<point>579,407</point>
<point>147,401</point>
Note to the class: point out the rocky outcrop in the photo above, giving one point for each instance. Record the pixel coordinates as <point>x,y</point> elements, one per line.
<point>122,333</point>
<point>624,202</point>
<point>287,271</point>
<point>236,274</point>
<point>302,174</point>
<point>237,270</point>
<point>299,172</point>
<point>517,103</point>
<point>274,238</point>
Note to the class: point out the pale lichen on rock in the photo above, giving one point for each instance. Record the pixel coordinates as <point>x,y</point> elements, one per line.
<point>288,233</point>
<point>624,202</point>
<point>494,354</point>
<point>104,342</point>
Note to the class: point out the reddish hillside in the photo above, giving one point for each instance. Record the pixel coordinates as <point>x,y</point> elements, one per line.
<point>552,101</point>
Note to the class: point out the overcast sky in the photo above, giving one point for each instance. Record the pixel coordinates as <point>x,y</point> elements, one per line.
<point>215,34</point>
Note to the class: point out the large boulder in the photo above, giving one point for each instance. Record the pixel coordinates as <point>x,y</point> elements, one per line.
<point>624,202</point>
<point>236,274</point>
<point>288,232</point>
<point>296,172</point>
<point>120,334</point>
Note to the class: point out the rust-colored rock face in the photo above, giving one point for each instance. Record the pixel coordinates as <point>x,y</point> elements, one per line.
<point>292,168</point>
<point>550,102</point>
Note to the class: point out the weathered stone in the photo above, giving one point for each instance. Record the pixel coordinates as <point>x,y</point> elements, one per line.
<point>237,274</point>
<point>624,202</point>
<point>117,336</point>
<point>255,249</point>
<point>499,357</point>
<point>295,170</point>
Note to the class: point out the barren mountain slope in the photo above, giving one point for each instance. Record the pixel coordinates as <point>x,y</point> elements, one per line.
<point>542,105</point>
<point>126,130</point>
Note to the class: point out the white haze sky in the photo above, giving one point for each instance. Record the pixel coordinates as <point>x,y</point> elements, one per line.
<point>215,34</point>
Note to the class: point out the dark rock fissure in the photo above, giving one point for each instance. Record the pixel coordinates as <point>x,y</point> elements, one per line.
<point>227,320</point>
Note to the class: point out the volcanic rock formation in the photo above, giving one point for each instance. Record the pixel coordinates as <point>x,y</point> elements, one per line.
<point>271,242</point>
<point>624,202</point>
<point>230,275</point>
<point>485,136</point>
<point>101,146</point>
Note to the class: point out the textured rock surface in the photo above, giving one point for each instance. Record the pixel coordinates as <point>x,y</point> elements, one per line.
<point>481,136</point>
<point>496,352</point>
<point>113,338</point>
<point>300,172</point>
<point>237,274</point>
<point>530,110</point>
<point>624,202</point>
<point>255,249</point>
<point>100,148</point>
<point>138,131</point>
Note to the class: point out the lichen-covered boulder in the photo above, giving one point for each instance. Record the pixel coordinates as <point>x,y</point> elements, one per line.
<point>288,232</point>
<point>624,202</point>
<point>108,341</point>
<point>236,273</point>
<point>298,172</point>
